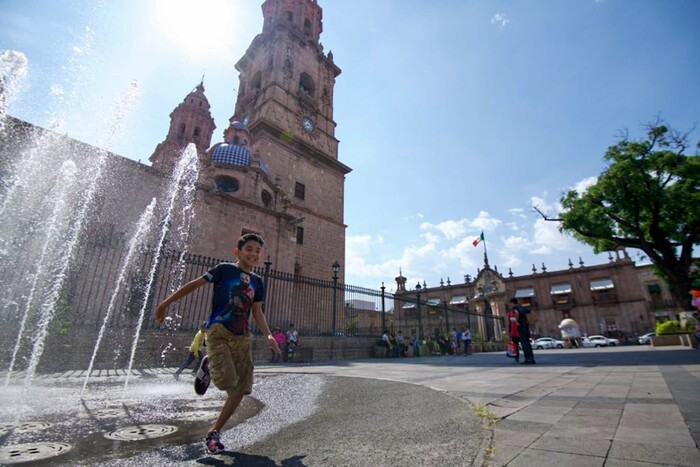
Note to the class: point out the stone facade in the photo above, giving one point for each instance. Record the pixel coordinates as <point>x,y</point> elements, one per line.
<point>614,299</point>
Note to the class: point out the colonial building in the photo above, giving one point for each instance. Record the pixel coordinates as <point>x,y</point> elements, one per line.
<point>614,299</point>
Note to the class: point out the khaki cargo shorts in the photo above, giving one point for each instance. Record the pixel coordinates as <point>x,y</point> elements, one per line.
<point>230,360</point>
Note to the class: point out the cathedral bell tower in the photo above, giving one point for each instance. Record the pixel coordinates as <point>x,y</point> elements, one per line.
<point>190,122</point>
<point>285,100</point>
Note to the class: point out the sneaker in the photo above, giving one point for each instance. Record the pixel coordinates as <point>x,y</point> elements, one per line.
<point>202,379</point>
<point>214,443</point>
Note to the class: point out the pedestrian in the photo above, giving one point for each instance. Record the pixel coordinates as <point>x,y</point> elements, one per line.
<point>458,338</point>
<point>524,331</point>
<point>415,344</point>
<point>697,328</point>
<point>513,333</point>
<point>292,342</point>
<point>387,343</point>
<point>238,291</point>
<point>467,341</point>
<point>194,352</point>
<point>280,338</point>
<point>401,344</point>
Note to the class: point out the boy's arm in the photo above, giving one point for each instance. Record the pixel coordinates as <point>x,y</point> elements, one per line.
<point>261,323</point>
<point>159,313</point>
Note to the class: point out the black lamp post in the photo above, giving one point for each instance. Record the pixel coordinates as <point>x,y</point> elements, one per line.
<point>420,324</point>
<point>336,269</point>
<point>444,303</point>
<point>384,311</point>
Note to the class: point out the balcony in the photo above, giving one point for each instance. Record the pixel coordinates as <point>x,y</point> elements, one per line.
<point>563,301</point>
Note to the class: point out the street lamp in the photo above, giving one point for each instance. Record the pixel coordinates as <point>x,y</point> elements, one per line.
<point>384,311</point>
<point>420,324</point>
<point>336,269</point>
<point>444,303</point>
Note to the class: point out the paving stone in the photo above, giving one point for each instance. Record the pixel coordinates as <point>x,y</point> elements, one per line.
<point>575,445</point>
<point>658,453</point>
<point>655,436</point>
<point>539,458</point>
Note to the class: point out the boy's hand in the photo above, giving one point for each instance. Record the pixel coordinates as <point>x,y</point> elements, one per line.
<point>273,344</point>
<point>159,314</point>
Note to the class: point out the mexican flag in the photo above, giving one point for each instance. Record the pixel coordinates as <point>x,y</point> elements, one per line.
<point>478,239</point>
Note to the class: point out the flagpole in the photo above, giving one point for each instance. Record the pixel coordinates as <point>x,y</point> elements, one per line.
<point>486,256</point>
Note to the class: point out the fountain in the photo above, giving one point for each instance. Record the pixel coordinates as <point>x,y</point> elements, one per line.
<point>50,198</point>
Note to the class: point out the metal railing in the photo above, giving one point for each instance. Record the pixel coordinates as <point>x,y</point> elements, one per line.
<point>306,302</point>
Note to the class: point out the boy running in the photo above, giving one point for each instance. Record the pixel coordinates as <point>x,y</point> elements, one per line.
<point>237,292</point>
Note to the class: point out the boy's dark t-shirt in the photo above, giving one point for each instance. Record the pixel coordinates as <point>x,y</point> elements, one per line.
<point>522,315</point>
<point>235,291</point>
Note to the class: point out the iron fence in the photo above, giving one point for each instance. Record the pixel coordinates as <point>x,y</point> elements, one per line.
<point>99,283</point>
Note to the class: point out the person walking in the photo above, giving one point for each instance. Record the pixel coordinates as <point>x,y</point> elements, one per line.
<point>238,292</point>
<point>280,338</point>
<point>292,342</point>
<point>524,330</point>
<point>513,333</point>
<point>467,341</point>
<point>387,343</point>
<point>194,352</point>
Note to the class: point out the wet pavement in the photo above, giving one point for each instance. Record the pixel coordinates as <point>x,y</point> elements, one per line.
<point>620,406</point>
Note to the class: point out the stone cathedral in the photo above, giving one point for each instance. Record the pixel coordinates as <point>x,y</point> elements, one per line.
<point>276,172</point>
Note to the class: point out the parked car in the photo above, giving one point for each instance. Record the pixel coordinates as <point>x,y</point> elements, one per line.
<point>599,341</point>
<point>547,343</point>
<point>646,338</point>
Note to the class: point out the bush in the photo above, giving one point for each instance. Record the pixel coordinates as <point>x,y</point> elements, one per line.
<point>690,324</point>
<point>668,327</point>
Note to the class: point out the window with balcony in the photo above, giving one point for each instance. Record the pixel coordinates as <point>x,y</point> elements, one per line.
<point>561,294</point>
<point>603,290</point>
<point>525,296</point>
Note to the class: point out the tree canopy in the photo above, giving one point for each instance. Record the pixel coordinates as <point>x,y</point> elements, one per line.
<point>647,198</point>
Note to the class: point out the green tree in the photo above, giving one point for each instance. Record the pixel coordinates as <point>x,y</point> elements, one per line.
<point>647,198</point>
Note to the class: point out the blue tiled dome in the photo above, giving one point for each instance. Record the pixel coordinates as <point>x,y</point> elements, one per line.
<point>232,154</point>
<point>239,125</point>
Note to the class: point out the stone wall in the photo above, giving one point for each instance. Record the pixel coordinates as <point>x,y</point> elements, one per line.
<point>158,349</point>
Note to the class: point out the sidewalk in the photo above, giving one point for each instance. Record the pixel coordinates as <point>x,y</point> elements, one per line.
<point>624,406</point>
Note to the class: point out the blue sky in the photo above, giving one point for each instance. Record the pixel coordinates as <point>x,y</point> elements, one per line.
<point>456,116</point>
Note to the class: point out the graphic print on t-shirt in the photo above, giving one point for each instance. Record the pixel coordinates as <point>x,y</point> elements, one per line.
<point>234,293</point>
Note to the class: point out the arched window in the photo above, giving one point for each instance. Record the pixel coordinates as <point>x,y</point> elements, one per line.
<point>256,82</point>
<point>227,184</point>
<point>236,140</point>
<point>197,134</point>
<point>307,27</point>
<point>290,16</point>
<point>306,84</point>
<point>266,198</point>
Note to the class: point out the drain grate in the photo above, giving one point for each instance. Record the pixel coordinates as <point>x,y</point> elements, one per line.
<point>25,427</point>
<point>140,432</point>
<point>31,452</point>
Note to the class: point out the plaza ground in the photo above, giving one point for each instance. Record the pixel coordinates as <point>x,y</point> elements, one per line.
<point>624,406</point>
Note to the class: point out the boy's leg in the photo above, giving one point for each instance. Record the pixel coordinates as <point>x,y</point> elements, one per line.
<point>227,411</point>
<point>185,363</point>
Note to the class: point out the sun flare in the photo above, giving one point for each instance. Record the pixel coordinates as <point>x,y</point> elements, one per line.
<point>201,29</point>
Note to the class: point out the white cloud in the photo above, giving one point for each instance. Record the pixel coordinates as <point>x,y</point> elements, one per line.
<point>543,205</point>
<point>583,185</point>
<point>500,20</point>
<point>450,229</point>
<point>547,238</point>
<point>484,222</point>
<point>520,212</point>
<point>514,226</point>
